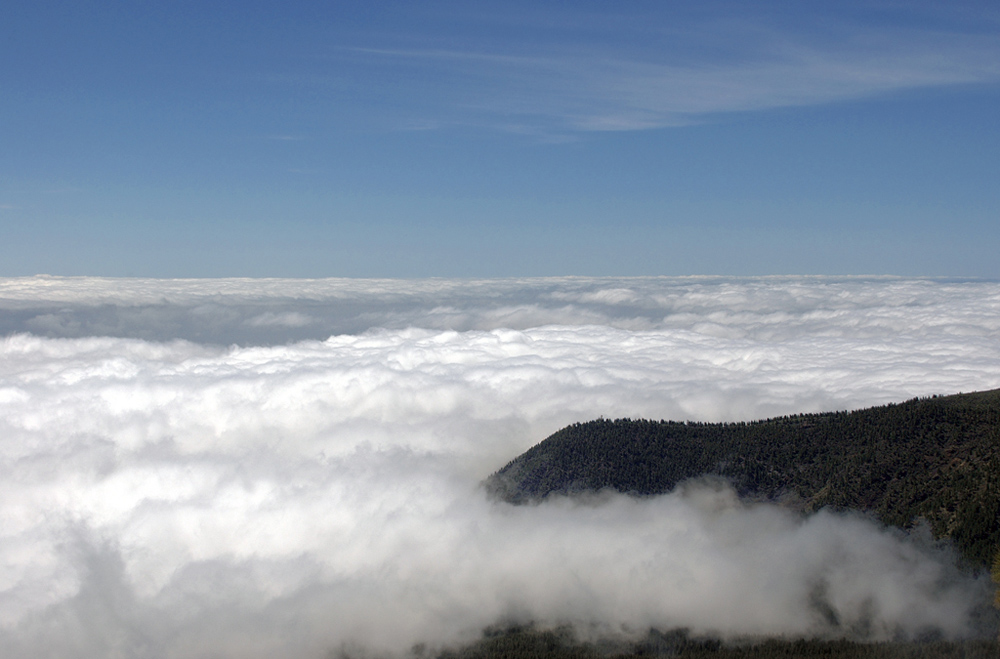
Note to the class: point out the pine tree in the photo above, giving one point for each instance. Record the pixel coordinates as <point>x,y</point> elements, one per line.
<point>996,576</point>
<point>995,572</point>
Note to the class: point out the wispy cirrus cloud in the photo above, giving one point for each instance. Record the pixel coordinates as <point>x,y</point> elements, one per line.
<point>677,74</point>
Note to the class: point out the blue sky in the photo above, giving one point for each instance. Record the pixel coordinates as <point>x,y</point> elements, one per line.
<point>469,139</point>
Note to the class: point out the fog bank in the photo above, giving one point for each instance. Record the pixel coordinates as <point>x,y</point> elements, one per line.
<point>275,311</point>
<point>179,499</point>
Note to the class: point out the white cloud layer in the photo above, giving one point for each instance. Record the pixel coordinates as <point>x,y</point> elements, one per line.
<point>177,499</point>
<point>270,311</point>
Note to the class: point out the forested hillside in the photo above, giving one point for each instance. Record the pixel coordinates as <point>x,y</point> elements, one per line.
<point>531,643</point>
<point>935,458</point>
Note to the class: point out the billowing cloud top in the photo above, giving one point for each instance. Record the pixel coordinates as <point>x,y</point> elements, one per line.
<point>261,468</point>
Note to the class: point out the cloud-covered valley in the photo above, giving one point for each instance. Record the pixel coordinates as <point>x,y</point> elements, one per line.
<point>271,467</point>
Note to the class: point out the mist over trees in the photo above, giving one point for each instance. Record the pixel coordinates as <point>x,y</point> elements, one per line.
<point>932,461</point>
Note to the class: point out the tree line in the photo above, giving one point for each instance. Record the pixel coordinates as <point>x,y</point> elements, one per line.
<point>934,459</point>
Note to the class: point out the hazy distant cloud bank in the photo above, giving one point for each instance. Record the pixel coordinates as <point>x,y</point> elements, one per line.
<point>272,311</point>
<point>178,499</point>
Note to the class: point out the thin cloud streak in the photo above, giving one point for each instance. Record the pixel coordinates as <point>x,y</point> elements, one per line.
<point>649,96</point>
<point>565,88</point>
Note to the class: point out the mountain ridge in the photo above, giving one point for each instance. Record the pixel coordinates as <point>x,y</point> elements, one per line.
<point>935,459</point>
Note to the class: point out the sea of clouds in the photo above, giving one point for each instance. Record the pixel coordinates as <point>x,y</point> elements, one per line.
<point>259,468</point>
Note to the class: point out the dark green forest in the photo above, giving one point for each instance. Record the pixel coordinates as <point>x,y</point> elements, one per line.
<point>935,459</point>
<point>530,643</point>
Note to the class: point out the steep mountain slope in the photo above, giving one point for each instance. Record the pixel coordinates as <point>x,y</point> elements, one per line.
<point>936,459</point>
